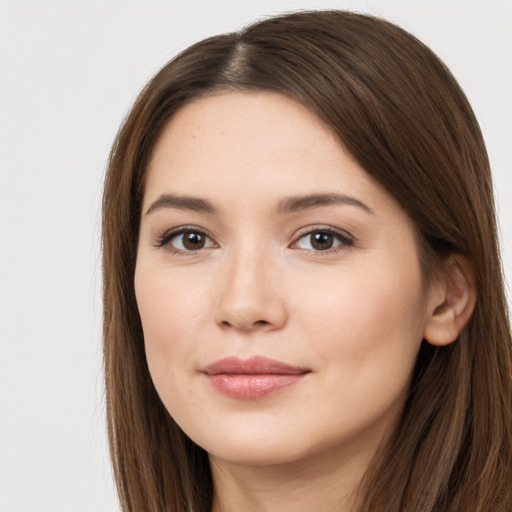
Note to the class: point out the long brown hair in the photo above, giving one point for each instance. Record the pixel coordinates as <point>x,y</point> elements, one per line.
<point>398,110</point>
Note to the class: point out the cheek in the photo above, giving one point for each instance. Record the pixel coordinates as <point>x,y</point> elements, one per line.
<point>367,331</point>
<point>171,310</point>
<point>172,314</point>
<point>368,321</point>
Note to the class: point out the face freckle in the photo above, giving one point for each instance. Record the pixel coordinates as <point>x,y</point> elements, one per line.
<point>348,320</point>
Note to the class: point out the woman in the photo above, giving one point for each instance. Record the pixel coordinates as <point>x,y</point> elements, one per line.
<point>303,299</point>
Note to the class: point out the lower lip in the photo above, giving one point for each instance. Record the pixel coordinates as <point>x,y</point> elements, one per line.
<point>252,386</point>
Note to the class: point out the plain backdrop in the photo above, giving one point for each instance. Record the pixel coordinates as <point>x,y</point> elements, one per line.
<point>69,72</point>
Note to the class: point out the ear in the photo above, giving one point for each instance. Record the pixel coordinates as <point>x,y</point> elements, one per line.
<point>453,300</point>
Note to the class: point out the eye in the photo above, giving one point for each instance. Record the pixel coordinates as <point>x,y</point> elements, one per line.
<point>323,240</point>
<point>186,240</point>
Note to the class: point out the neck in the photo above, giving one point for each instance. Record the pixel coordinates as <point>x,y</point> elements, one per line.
<point>322,484</point>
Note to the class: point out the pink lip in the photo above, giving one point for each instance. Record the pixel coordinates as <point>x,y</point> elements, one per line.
<point>253,377</point>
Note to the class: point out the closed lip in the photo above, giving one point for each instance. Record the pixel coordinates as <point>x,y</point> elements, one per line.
<point>252,378</point>
<point>255,365</point>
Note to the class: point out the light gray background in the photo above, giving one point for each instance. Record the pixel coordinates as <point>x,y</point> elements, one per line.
<point>69,71</point>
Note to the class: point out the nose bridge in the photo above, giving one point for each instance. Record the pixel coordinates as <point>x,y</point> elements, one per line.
<point>248,291</point>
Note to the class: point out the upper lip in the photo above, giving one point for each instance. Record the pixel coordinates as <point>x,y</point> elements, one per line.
<point>255,365</point>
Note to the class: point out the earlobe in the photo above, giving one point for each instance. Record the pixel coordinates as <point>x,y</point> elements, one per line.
<point>453,301</point>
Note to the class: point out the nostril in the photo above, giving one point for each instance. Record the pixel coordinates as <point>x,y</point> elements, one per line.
<point>248,326</point>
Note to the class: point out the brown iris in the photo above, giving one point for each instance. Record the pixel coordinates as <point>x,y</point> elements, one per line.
<point>321,240</point>
<point>192,240</point>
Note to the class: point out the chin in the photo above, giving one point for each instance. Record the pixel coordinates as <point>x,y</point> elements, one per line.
<point>257,454</point>
<point>259,446</point>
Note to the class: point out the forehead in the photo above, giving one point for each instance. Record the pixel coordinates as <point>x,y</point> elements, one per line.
<point>249,146</point>
<point>245,126</point>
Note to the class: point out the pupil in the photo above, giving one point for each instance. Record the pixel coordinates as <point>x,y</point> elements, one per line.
<point>193,240</point>
<point>322,241</point>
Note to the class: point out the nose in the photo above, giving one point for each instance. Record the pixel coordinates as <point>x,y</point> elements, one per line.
<point>250,295</point>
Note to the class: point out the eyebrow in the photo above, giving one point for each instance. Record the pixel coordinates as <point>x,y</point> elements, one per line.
<point>195,204</point>
<point>288,205</point>
<point>299,203</point>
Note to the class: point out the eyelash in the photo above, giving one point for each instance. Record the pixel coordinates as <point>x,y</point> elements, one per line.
<point>167,237</point>
<point>346,240</point>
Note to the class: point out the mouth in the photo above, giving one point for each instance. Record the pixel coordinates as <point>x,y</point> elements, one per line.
<point>252,378</point>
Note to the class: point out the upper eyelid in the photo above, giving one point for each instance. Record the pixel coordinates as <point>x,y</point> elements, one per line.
<point>181,229</point>
<point>322,227</point>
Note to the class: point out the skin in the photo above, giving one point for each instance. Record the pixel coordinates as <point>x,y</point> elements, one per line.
<point>353,315</point>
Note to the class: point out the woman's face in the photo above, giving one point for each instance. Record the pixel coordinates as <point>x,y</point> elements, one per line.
<point>279,286</point>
